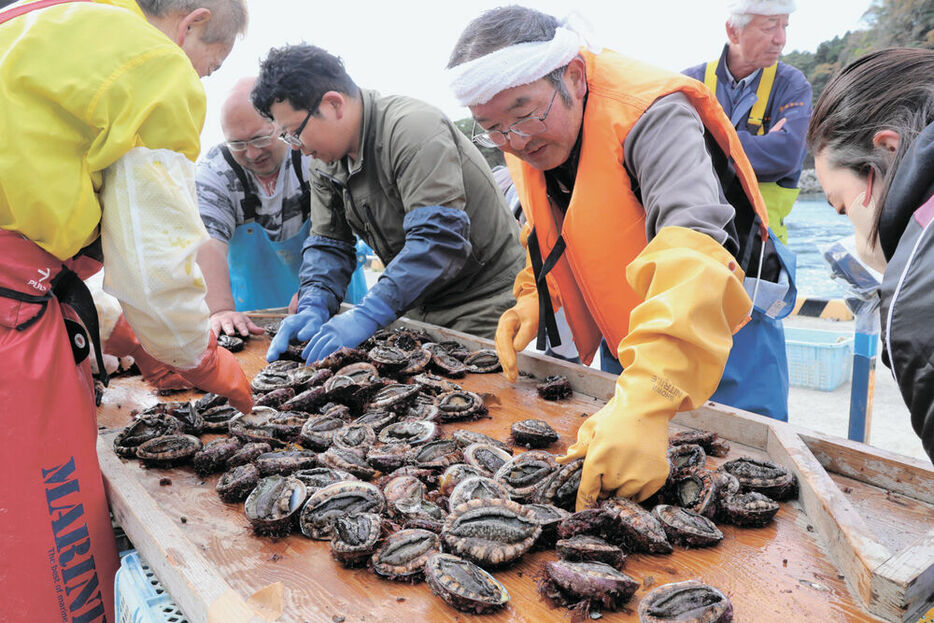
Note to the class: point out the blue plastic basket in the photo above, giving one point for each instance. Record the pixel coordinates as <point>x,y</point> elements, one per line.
<point>818,359</point>
<point>139,595</point>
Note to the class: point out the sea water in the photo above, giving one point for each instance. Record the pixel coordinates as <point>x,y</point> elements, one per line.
<point>813,224</point>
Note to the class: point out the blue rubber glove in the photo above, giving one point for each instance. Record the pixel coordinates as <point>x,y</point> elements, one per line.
<point>300,327</point>
<point>350,328</point>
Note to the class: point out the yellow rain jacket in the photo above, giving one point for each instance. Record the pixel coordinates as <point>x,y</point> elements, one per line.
<point>89,88</point>
<point>82,85</point>
<point>75,100</point>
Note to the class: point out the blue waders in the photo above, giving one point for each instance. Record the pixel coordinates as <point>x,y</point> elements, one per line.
<point>357,287</point>
<point>756,374</point>
<point>264,272</point>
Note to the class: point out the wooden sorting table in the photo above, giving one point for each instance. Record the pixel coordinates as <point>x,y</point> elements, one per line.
<point>858,544</point>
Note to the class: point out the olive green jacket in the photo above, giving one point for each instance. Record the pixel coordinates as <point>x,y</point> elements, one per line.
<point>412,156</point>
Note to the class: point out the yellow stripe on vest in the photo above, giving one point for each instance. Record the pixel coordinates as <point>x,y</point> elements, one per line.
<point>762,97</point>
<point>710,76</point>
<point>762,93</point>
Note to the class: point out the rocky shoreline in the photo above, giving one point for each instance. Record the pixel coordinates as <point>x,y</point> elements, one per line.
<point>808,183</point>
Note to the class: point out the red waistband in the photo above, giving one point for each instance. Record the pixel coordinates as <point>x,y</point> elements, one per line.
<point>34,6</point>
<point>25,266</point>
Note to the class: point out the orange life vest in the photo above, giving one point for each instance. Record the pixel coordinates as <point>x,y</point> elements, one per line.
<point>604,225</point>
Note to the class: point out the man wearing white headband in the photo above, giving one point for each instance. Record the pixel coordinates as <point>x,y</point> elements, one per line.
<point>768,102</point>
<point>643,218</point>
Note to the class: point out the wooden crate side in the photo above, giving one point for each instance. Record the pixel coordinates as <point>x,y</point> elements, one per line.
<point>902,474</point>
<point>848,539</point>
<point>185,574</point>
<point>906,580</point>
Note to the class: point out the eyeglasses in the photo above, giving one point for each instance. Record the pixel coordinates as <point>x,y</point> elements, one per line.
<point>259,142</point>
<point>530,126</point>
<point>293,139</point>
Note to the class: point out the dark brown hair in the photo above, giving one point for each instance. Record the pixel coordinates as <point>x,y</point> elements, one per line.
<point>890,89</point>
<point>300,75</point>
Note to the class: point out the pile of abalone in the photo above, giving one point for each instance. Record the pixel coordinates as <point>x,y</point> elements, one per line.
<point>352,450</point>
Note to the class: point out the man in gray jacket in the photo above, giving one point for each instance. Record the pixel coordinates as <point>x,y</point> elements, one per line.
<point>400,175</point>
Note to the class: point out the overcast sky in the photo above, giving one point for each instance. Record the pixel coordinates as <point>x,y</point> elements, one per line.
<point>403,46</point>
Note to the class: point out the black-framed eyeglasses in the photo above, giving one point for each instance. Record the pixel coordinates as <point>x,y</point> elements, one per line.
<point>293,139</point>
<point>530,126</point>
<point>258,142</point>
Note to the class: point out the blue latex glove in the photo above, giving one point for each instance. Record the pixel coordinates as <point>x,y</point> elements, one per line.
<point>300,326</point>
<point>350,328</point>
<point>363,251</point>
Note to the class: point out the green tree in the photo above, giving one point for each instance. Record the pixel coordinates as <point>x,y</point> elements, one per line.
<point>891,23</point>
<point>901,23</point>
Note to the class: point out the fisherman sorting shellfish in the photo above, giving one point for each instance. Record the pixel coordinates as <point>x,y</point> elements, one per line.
<point>102,109</point>
<point>620,165</point>
<point>400,175</point>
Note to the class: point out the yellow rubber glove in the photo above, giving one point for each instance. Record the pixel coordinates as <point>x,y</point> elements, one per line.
<point>673,357</point>
<point>517,326</point>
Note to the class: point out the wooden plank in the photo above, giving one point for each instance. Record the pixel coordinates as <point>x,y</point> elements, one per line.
<point>900,588</point>
<point>905,582</point>
<point>183,571</point>
<point>849,541</point>
<point>730,423</point>
<point>896,521</point>
<point>898,473</point>
<point>803,579</point>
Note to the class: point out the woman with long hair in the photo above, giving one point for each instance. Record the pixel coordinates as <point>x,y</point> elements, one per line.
<point>872,136</point>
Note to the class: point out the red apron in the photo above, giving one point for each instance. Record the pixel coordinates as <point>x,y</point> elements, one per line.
<point>59,556</point>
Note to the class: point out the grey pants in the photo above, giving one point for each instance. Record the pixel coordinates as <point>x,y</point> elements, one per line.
<point>478,317</point>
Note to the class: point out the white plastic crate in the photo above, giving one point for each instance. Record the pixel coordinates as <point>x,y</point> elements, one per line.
<point>818,359</point>
<point>140,597</point>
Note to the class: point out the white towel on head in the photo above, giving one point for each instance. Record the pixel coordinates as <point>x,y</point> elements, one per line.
<point>478,81</point>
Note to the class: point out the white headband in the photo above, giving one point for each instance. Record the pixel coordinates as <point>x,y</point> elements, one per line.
<point>478,81</point>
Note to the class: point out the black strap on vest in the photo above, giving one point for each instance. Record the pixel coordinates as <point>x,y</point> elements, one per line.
<point>250,201</point>
<point>303,183</point>
<point>42,300</point>
<point>546,314</point>
<point>70,290</point>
